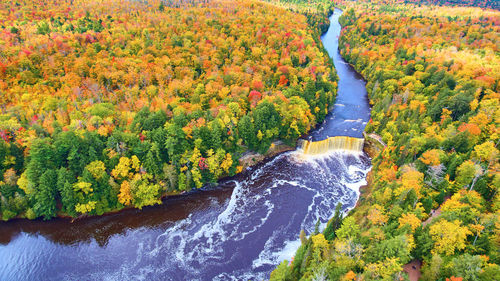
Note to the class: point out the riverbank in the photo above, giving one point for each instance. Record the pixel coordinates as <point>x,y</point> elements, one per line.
<point>249,159</point>
<point>373,146</point>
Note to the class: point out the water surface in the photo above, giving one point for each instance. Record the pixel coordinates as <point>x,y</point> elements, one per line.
<point>352,110</point>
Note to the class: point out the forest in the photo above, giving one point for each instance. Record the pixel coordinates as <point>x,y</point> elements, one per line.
<point>494,4</point>
<point>433,76</point>
<point>109,104</point>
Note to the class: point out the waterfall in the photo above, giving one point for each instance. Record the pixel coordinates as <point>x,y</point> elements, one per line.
<point>331,144</point>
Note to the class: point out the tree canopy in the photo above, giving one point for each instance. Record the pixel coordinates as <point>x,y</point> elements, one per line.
<point>108,103</point>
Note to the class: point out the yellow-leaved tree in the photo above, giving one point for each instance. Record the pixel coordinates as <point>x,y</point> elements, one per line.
<point>125,197</point>
<point>448,237</point>
<point>411,220</point>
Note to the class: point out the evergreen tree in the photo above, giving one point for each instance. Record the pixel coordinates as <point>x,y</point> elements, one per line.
<point>45,196</point>
<point>65,181</point>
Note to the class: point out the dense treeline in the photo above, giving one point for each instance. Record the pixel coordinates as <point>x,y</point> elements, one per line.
<point>108,104</point>
<point>433,78</point>
<point>494,4</point>
<point>316,12</point>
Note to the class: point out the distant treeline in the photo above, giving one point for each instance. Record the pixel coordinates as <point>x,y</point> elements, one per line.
<point>494,4</point>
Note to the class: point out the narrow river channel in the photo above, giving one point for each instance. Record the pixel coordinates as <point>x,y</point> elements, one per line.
<point>238,231</point>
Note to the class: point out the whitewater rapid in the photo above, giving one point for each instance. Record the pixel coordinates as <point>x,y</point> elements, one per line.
<point>255,229</point>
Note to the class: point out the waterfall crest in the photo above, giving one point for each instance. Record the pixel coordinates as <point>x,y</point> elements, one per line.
<point>331,144</point>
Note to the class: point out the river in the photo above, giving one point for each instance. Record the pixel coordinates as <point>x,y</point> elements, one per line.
<point>239,230</point>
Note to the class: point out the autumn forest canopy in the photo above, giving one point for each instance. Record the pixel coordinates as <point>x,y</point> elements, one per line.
<point>108,104</point>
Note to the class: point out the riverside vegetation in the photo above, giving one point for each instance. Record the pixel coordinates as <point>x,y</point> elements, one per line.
<point>433,79</point>
<point>109,104</point>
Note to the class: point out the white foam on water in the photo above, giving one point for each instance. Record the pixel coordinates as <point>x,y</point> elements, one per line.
<point>198,242</point>
<point>353,169</point>
<point>353,120</point>
<point>318,163</point>
<point>288,251</point>
<point>269,257</point>
<point>354,186</point>
<point>326,155</point>
<point>240,236</point>
<point>214,233</point>
<point>273,257</point>
<point>226,276</point>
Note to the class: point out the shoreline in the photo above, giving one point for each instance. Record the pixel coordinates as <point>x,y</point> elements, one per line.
<point>277,148</point>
